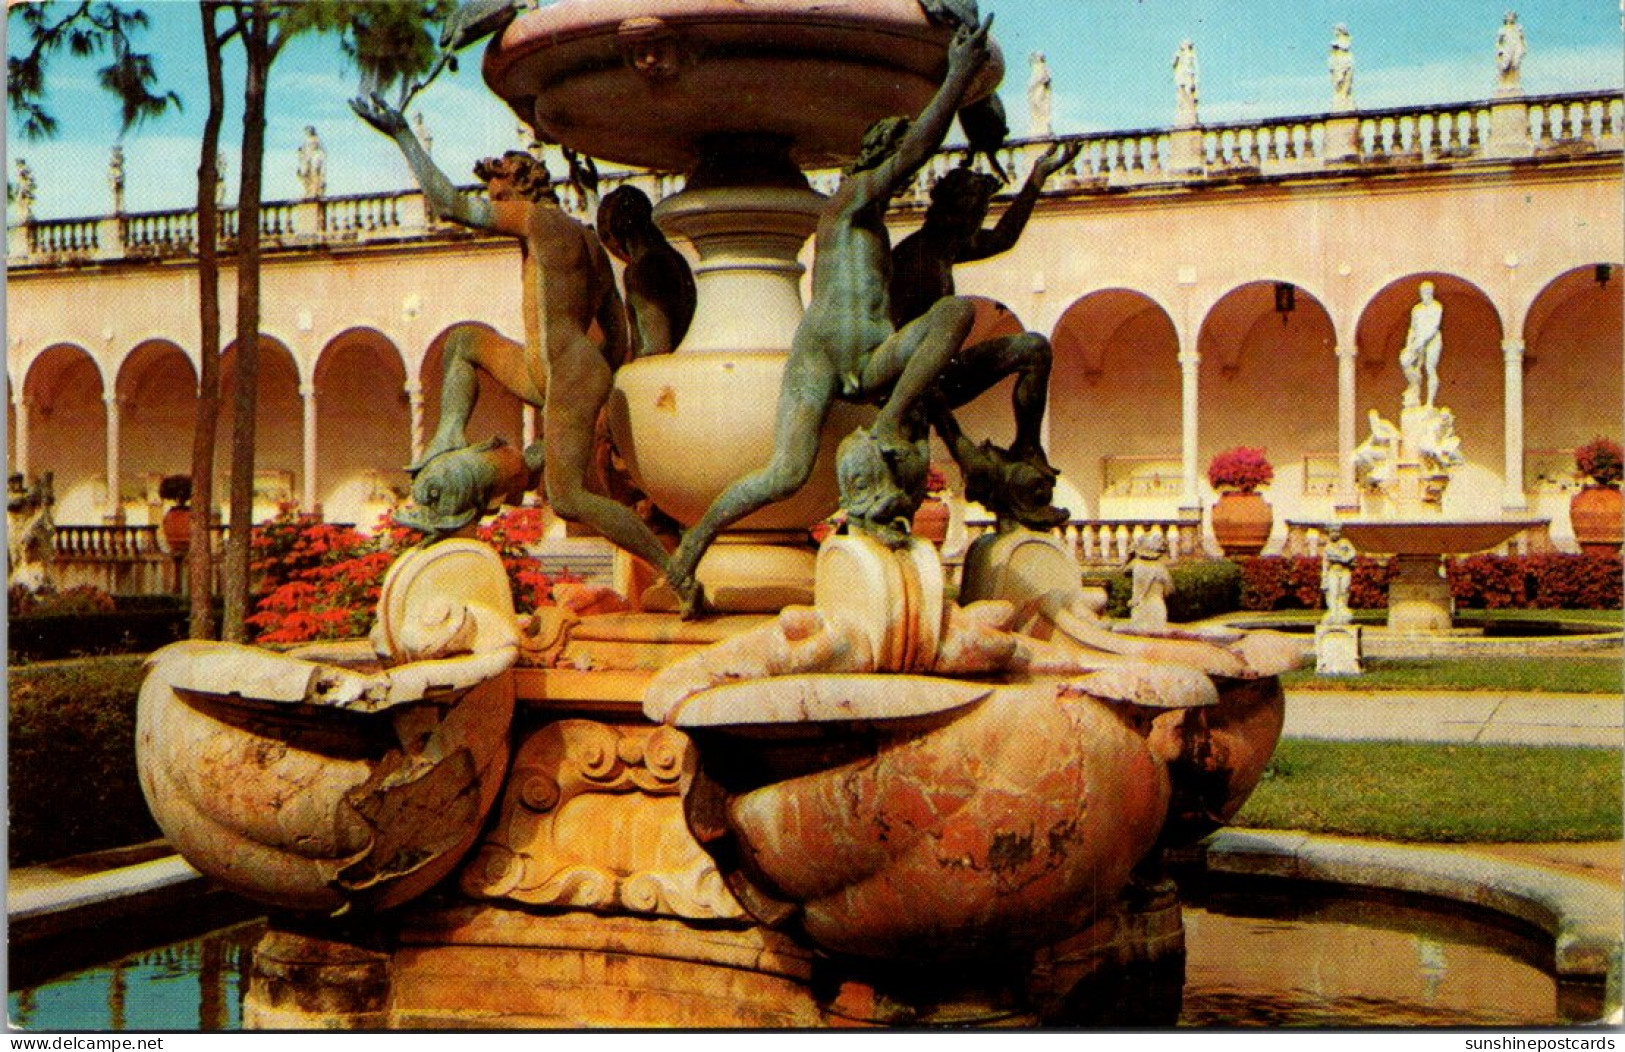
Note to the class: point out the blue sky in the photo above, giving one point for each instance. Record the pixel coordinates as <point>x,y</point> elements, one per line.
<point>1110,60</point>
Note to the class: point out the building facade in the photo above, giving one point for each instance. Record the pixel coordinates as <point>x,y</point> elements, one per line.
<point>1203,287</point>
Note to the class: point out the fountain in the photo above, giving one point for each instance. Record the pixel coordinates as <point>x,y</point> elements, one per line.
<point>1404,471</point>
<point>845,798</point>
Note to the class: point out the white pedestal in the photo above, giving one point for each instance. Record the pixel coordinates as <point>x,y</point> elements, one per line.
<point>1337,650</point>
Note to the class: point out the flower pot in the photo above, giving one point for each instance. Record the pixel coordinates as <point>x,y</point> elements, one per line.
<point>1596,516</point>
<point>177,529</point>
<point>1242,522</point>
<point>931,521</point>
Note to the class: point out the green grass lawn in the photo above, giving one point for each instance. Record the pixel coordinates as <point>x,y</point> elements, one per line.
<point>1440,793</point>
<point>1601,674</point>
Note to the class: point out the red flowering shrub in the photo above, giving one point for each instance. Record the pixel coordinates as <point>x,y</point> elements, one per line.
<point>1244,469</point>
<point>80,599</point>
<point>1285,582</point>
<point>1490,582</point>
<point>1600,461</point>
<point>320,581</point>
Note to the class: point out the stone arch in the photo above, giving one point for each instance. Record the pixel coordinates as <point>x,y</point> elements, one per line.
<point>497,412</point>
<point>67,431</point>
<point>1472,380</point>
<point>1114,420</point>
<point>278,430</point>
<point>363,427</point>
<point>1268,378</point>
<point>1572,381</point>
<point>157,399</point>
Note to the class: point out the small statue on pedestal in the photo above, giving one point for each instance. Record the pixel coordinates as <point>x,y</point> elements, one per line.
<point>1151,586</point>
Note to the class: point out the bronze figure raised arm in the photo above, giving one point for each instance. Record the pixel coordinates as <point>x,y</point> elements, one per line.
<point>846,346</point>
<point>562,370</point>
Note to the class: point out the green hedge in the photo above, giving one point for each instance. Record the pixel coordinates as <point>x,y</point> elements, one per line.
<point>1203,588</point>
<point>71,775</point>
<point>51,637</point>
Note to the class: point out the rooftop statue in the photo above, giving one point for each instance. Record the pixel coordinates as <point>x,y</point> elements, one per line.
<point>1424,342</point>
<point>1340,64</point>
<point>569,285</point>
<point>23,191</point>
<point>1040,98</point>
<point>846,345</point>
<point>115,178</point>
<point>660,293</point>
<point>1185,84</point>
<point>312,167</point>
<point>922,276</point>
<point>1510,48</point>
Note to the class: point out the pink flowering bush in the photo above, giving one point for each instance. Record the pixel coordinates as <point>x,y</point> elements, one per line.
<point>1243,469</point>
<point>1600,461</point>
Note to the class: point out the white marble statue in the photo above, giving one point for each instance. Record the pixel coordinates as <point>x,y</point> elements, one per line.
<point>220,179</point>
<point>1374,459</point>
<point>312,169</point>
<point>23,191</point>
<point>1151,584</point>
<point>1040,101</point>
<point>115,178</point>
<point>1424,342</point>
<point>1336,574</point>
<point>420,128</point>
<point>1510,48</point>
<point>1185,84</point>
<point>1437,443</point>
<point>1340,64</point>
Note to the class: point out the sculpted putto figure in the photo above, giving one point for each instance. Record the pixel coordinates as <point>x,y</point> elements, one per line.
<point>846,345</point>
<point>1336,573</point>
<point>563,370</point>
<point>660,293</point>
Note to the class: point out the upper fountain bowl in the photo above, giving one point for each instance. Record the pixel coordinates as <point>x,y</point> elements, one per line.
<point>652,82</point>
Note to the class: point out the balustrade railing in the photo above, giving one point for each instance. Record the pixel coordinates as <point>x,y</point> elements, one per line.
<point>1098,543</point>
<point>1569,124</point>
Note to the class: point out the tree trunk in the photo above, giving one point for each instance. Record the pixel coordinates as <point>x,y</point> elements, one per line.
<point>200,557</point>
<point>257,49</point>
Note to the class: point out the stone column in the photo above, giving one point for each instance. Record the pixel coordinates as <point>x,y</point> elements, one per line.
<point>1513,497</point>
<point>115,507</point>
<point>20,406</point>
<point>1190,501</point>
<point>414,399</point>
<point>307,394</point>
<point>1347,427</point>
<point>528,426</point>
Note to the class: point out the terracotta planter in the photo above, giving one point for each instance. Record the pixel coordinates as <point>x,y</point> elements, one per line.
<point>931,521</point>
<point>1595,512</point>
<point>1242,522</point>
<point>177,528</point>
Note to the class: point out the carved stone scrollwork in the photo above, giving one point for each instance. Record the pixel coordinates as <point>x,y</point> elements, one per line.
<point>591,819</point>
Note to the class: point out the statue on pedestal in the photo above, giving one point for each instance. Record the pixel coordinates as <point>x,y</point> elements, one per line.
<point>1510,48</point>
<point>115,178</point>
<point>1336,574</point>
<point>1151,586</point>
<point>312,169</point>
<point>1340,64</point>
<point>23,191</point>
<point>1185,85</point>
<point>1424,341</point>
<point>1040,101</point>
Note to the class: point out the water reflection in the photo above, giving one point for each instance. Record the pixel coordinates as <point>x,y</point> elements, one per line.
<point>1254,961</point>
<point>192,985</point>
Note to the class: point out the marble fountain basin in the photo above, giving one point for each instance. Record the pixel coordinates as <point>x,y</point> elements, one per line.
<point>653,83</point>
<point>1431,536</point>
<point>328,783</point>
<point>909,817</point>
